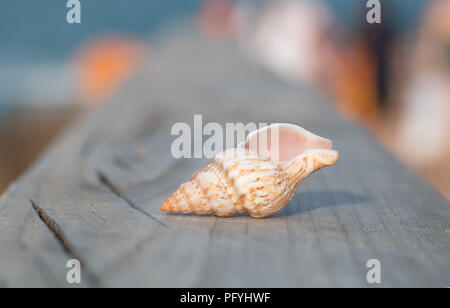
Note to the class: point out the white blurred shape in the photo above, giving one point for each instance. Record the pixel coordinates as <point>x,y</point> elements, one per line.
<point>424,131</point>
<point>289,38</point>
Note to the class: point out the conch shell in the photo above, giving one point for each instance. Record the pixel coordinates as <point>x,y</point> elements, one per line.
<point>255,179</point>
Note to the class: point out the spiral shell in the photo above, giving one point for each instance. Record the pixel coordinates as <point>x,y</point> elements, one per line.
<point>243,181</point>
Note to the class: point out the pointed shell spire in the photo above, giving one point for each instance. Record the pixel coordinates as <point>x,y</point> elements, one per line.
<point>260,177</point>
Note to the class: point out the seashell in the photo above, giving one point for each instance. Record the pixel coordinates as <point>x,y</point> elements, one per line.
<point>259,177</point>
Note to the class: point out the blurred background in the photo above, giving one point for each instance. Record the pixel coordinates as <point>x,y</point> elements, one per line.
<point>391,78</point>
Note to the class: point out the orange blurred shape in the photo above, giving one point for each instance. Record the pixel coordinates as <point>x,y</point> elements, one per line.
<point>217,18</point>
<point>103,64</point>
<point>356,84</point>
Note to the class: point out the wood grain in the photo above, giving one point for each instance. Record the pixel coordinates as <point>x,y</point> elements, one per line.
<point>95,194</point>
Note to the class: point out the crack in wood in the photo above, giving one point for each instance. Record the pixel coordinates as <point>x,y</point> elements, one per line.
<point>103,179</point>
<point>65,242</point>
<point>162,175</point>
<point>121,163</point>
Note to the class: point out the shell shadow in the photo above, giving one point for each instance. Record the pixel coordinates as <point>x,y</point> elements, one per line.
<point>307,201</point>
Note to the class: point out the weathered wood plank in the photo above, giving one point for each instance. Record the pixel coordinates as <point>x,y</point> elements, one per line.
<point>30,255</point>
<point>103,182</point>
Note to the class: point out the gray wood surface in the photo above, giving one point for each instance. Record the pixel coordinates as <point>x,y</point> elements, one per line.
<point>95,194</point>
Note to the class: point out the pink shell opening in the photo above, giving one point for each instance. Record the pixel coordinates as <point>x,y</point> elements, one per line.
<point>282,142</point>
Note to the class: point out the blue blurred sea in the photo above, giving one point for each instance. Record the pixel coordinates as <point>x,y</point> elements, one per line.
<point>36,30</point>
<point>36,41</point>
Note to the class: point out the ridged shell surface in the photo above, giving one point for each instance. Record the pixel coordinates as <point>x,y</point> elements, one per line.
<point>237,181</point>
